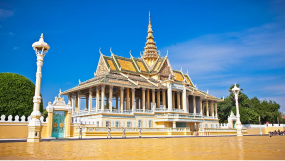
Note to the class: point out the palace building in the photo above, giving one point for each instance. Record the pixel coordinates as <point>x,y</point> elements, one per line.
<point>142,92</point>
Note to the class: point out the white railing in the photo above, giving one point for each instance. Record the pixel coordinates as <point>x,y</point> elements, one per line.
<point>178,110</point>
<point>160,110</point>
<point>134,129</point>
<point>17,119</point>
<point>139,110</point>
<point>224,125</point>
<point>148,111</point>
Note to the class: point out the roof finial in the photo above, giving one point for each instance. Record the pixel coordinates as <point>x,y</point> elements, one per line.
<point>42,35</point>
<point>59,93</point>
<point>79,81</point>
<point>131,53</point>
<point>94,74</point>
<point>100,51</point>
<point>207,91</point>
<point>166,54</point>
<point>111,51</point>
<point>181,69</point>
<point>149,16</point>
<point>187,72</point>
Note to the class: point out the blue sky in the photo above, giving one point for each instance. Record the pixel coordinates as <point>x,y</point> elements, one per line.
<point>219,42</point>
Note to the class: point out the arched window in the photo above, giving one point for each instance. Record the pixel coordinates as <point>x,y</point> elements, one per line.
<point>117,123</point>
<point>129,124</point>
<point>149,123</point>
<point>139,123</point>
<point>206,125</point>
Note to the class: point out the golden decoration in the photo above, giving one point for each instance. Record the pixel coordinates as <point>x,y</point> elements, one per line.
<point>111,64</point>
<point>126,65</point>
<point>140,64</point>
<point>54,124</point>
<point>178,77</point>
<point>61,125</point>
<point>158,64</point>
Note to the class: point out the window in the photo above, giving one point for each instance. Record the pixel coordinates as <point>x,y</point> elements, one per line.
<point>107,123</point>
<point>212,125</point>
<point>117,123</point>
<point>140,123</point>
<point>149,123</point>
<point>129,124</point>
<point>206,125</point>
<point>97,124</point>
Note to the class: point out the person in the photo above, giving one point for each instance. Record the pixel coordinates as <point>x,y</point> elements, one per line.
<point>80,133</point>
<point>124,133</point>
<point>109,132</point>
<point>140,132</point>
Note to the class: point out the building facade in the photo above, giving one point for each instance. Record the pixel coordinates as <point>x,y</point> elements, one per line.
<point>142,92</point>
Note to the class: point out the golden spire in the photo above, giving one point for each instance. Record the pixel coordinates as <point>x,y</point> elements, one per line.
<point>150,53</point>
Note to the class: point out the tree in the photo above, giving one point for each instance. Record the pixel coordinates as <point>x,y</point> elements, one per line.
<point>250,109</point>
<point>16,95</point>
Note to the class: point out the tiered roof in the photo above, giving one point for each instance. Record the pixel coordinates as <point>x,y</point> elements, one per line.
<point>150,71</point>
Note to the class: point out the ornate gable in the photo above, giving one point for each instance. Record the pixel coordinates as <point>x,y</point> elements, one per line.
<point>164,71</point>
<point>102,67</point>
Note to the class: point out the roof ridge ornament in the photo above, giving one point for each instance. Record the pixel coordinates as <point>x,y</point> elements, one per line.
<point>59,92</point>
<point>187,72</point>
<point>111,51</point>
<point>94,74</point>
<point>79,81</point>
<point>100,51</point>
<point>166,54</point>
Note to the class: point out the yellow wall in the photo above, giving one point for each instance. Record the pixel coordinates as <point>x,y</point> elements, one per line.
<point>17,130</point>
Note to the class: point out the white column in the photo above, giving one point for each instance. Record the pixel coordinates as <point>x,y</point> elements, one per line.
<point>201,106</point>
<point>97,98</point>
<point>212,108</point>
<point>216,109</point>
<point>194,105</point>
<point>102,97</point>
<point>178,100</point>
<point>122,99</point>
<point>90,100</point>
<point>163,99</point>
<point>79,102</point>
<point>207,108</point>
<point>133,99</point>
<point>110,98</point>
<point>184,102</point>
<point>143,99</point>
<point>153,99</point>
<point>169,96</point>
<point>128,99</point>
<point>187,103</point>
<point>73,103</point>
<point>157,98</point>
<point>147,98</point>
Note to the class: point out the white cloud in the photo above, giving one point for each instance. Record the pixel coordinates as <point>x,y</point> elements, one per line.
<point>5,13</point>
<point>15,48</point>
<point>11,33</point>
<point>250,57</point>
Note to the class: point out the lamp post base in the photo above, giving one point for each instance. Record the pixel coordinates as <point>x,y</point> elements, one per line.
<point>239,129</point>
<point>35,130</point>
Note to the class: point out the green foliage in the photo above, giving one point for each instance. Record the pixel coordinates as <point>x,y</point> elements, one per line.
<point>249,109</point>
<point>16,95</point>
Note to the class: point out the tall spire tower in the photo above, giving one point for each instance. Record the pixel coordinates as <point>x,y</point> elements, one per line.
<point>150,53</point>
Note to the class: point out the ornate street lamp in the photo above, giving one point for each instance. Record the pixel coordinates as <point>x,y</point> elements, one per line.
<point>35,125</point>
<point>238,123</point>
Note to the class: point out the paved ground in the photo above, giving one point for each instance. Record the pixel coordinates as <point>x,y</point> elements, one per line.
<point>247,147</point>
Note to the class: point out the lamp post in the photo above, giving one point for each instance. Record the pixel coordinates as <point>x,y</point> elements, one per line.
<point>35,125</point>
<point>238,123</point>
<point>260,126</point>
